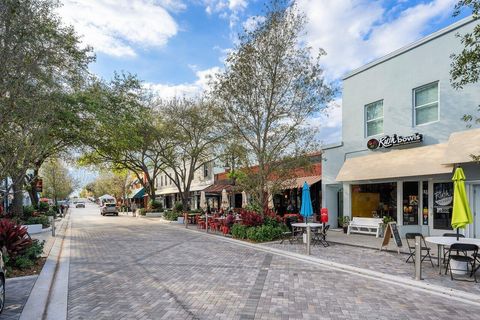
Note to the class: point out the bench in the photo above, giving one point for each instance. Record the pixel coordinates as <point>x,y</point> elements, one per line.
<point>365,225</point>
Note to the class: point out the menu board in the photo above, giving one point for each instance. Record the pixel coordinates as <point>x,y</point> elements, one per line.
<point>392,231</point>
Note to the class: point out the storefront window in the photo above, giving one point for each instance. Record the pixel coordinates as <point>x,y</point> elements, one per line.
<point>374,200</point>
<point>425,203</point>
<point>410,203</point>
<point>442,205</point>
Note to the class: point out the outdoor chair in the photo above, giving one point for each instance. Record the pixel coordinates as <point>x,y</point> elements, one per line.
<point>320,236</point>
<point>288,235</point>
<point>445,250</point>
<point>410,237</point>
<point>462,252</point>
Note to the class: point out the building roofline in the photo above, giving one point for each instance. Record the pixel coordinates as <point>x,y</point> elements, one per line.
<point>411,46</point>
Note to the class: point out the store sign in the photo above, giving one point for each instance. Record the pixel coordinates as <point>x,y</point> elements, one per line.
<point>394,141</point>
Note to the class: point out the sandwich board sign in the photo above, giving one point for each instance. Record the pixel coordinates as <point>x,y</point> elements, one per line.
<point>392,230</point>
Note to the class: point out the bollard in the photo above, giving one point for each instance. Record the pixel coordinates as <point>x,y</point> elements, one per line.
<point>418,258</point>
<point>185,217</point>
<point>53,226</point>
<point>308,239</point>
<point>206,222</point>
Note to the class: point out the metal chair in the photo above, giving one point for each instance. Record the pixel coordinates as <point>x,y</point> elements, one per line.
<point>462,255</point>
<point>445,250</point>
<point>320,236</point>
<point>423,247</point>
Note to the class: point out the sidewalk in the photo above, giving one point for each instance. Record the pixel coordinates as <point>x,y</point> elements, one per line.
<point>362,252</point>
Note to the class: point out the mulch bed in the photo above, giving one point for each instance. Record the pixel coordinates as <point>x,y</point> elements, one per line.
<point>35,270</point>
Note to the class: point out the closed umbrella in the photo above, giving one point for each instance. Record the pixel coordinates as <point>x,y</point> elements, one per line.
<point>225,203</point>
<point>244,199</point>
<point>306,209</point>
<point>461,215</point>
<point>203,201</point>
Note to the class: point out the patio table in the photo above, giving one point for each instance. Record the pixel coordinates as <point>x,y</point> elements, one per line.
<point>448,241</point>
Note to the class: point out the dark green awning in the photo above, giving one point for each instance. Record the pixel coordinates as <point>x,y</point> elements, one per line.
<point>137,194</point>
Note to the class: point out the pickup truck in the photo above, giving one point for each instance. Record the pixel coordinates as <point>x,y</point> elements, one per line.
<point>109,208</point>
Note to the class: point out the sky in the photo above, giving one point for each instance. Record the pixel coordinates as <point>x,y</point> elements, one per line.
<point>175,45</point>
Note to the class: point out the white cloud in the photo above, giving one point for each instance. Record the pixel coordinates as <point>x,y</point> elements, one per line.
<point>115,27</point>
<point>354,32</point>
<point>253,22</point>
<point>201,84</point>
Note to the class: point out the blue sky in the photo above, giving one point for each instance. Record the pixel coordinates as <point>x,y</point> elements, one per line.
<point>174,45</point>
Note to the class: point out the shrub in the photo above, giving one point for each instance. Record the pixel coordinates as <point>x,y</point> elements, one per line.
<point>43,206</point>
<point>251,218</point>
<point>141,211</point>
<point>155,205</point>
<point>171,215</point>
<point>28,258</point>
<point>28,211</point>
<point>14,238</point>
<point>239,231</point>
<point>178,207</point>
<point>51,213</point>
<point>43,220</point>
<point>264,233</point>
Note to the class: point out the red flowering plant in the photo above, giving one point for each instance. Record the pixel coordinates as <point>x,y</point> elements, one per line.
<point>14,239</point>
<point>251,218</point>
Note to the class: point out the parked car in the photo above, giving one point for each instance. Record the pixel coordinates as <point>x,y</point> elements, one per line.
<point>2,283</point>
<point>80,205</point>
<point>109,208</point>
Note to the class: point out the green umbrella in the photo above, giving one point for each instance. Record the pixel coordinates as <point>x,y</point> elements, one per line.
<point>462,214</point>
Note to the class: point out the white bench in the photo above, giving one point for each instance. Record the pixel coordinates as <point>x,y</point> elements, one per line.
<point>365,225</point>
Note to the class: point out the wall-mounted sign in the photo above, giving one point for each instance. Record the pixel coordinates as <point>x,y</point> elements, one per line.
<point>394,141</point>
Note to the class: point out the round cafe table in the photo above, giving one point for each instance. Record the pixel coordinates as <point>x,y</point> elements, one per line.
<point>304,225</point>
<point>448,241</point>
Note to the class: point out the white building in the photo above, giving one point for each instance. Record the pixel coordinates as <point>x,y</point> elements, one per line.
<point>403,133</point>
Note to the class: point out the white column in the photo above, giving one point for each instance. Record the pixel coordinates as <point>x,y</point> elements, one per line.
<point>400,203</point>
<point>347,200</point>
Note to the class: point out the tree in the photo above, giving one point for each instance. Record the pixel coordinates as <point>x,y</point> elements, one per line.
<point>57,182</point>
<point>466,64</point>
<point>123,134</point>
<point>112,183</point>
<point>188,140</point>
<point>270,87</point>
<point>42,66</point>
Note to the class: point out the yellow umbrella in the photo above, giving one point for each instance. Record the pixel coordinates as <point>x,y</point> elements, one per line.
<point>461,215</point>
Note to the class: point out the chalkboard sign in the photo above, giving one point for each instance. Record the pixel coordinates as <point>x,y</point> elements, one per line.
<point>392,230</point>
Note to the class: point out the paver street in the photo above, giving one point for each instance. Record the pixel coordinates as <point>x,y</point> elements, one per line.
<point>132,268</point>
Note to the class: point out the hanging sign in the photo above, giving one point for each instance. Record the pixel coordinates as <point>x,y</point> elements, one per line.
<point>392,230</point>
<point>394,141</point>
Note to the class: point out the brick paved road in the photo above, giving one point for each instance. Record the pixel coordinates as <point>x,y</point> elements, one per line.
<point>126,268</point>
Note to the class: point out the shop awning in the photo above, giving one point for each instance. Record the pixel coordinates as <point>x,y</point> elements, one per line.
<point>218,188</point>
<point>461,145</point>
<point>137,194</point>
<point>411,162</point>
<point>297,183</point>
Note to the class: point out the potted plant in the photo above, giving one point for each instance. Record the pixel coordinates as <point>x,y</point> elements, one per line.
<point>345,220</point>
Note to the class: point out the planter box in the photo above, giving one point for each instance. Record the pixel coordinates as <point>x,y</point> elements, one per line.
<point>180,220</point>
<point>154,214</point>
<point>34,228</point>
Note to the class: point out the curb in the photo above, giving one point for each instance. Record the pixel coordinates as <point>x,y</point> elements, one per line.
<point>40,299</point>
<point>449,293</point>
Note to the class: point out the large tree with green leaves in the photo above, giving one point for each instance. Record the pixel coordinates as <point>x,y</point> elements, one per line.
<point>466,64</point>
<point>42,65</point>
<point>189,139</point>
<point>123,131</point>
<point>57,182</point>
<point>271,86</point>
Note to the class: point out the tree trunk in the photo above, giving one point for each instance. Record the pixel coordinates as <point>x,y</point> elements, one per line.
<point>17,204</point>
<point>32,192</point>
<point>185,203</point>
